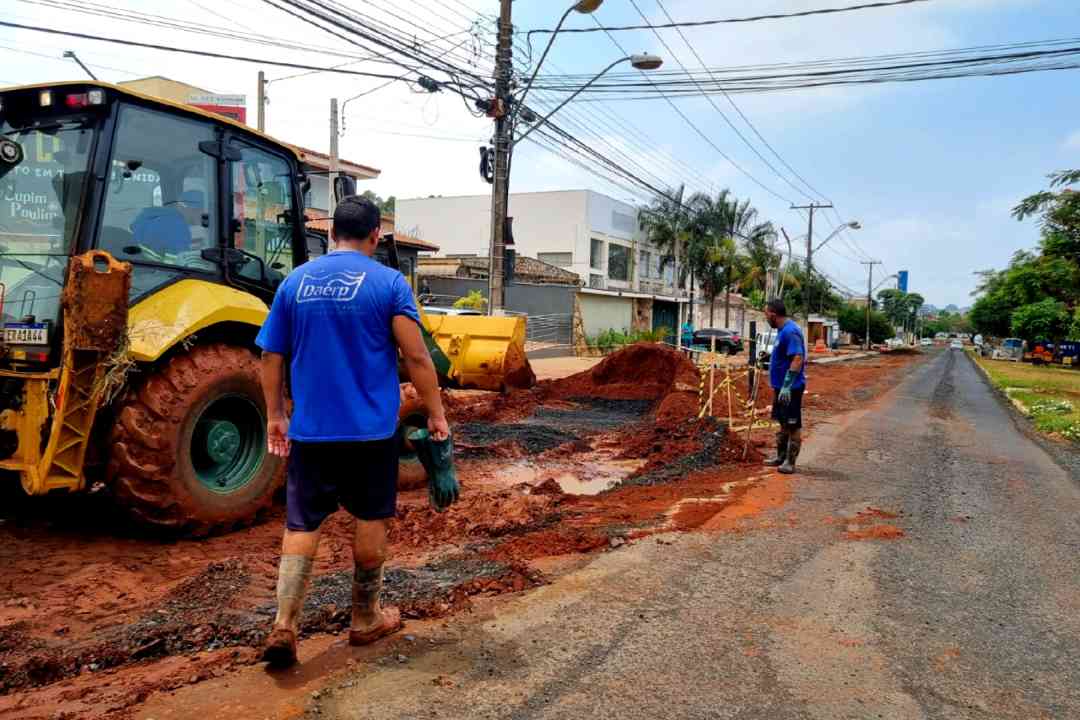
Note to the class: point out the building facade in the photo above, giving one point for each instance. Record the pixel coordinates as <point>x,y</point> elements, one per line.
<point>591,235</point>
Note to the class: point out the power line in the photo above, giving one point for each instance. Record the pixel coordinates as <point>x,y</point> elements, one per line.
<point>60,59</point>
<point>753,18</point>
<point>713,102</point>
<point>698,130</point>
<point>738,110</point>
<point>973,66</point>
<point>202,53</point>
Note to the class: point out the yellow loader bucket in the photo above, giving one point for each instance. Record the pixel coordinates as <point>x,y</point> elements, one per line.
<point>484,352</point>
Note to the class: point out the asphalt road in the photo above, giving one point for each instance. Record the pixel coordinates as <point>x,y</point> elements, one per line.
<point>974,613</point>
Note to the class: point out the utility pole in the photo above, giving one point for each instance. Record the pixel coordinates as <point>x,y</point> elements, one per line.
<point>260,100</point>
<point>869,295</point>
<point>331,203</point>
<point>500,110</point>
<point>810,255</point>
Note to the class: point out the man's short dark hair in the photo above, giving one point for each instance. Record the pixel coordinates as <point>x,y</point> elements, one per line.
<point>355,217</point>
<point>778,307</point>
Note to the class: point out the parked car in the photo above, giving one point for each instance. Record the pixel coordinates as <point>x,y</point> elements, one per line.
<point>956,345</point>
<point>726,340</point>
<point>435,310</point>
<point>926,342</point>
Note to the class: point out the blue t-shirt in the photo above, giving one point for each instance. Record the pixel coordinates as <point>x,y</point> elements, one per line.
<point>332,318</point>
<point>789,343</point>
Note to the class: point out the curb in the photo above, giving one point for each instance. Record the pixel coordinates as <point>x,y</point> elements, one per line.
<point>843,358</point>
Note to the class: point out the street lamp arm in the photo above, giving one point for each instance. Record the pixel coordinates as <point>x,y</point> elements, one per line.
<point>894,276</point>
<point>560,106</point>
<point>837,231</point>
<point>543,56</point>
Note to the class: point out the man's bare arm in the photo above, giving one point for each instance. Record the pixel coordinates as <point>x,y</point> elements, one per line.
<point>796,363</point>
<point>421,372</point>
<point>273,385</point>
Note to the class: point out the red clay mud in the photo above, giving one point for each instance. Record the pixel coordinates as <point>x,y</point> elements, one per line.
<point>94,617</point>
<point>875,532</point>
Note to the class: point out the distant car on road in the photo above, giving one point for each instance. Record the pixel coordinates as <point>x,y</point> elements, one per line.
<point>956,345</point>
<point>726,340</point>
<point>926,342</point>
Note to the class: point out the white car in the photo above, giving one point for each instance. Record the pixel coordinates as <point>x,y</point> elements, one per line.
<point>926,342</point>
<point>432,310</point>
<point>956,345</point>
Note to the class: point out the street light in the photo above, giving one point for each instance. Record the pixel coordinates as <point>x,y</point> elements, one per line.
<point>585,7</point>
<point>853,225</point>
<point>71,54</point>
<point>641,61</point>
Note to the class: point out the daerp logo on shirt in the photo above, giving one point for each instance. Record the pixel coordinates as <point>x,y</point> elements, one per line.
<point>334,287</point>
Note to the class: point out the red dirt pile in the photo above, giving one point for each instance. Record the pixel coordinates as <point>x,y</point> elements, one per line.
<point>643,371</point>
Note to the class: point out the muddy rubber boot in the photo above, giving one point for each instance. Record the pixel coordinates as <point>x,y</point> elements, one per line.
<point>437,457</point>
<point>781,450</point>
<point>794,446</point>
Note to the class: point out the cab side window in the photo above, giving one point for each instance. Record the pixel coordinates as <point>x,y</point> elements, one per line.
<point>160,200</point>
<point>263,213</point>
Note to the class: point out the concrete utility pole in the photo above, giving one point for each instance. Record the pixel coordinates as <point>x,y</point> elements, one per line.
<point>869,296</point>
<point>810,255</point>
<point>500,110</point>
<point>260,100</point>
<point>331,202</point>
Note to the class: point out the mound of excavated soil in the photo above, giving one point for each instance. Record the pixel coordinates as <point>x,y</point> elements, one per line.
<point>644,371</point>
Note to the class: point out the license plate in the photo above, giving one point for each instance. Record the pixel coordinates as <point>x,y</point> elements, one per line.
<point>26,333</point>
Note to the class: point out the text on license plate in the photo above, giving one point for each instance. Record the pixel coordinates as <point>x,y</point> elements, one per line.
<point>26,334</point>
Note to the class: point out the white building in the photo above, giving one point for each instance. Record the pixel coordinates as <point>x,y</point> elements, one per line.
<point>592,235</point>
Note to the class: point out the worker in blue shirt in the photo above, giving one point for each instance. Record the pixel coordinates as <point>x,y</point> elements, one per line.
<point>339,322</point>
<point>787,376</point>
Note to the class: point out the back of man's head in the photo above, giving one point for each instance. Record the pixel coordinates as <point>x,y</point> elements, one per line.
<point>355,218</point>
<point>778,307</point>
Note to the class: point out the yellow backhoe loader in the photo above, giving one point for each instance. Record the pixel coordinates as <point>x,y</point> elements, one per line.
<point>141,242</point>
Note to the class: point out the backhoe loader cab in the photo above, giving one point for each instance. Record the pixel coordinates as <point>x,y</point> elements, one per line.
<point>140,245</point>
<point>141,242</point>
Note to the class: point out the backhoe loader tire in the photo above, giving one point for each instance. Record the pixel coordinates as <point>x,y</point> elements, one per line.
<point>189,446</point>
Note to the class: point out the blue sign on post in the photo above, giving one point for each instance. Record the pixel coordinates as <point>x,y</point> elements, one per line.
<point>902,282</point>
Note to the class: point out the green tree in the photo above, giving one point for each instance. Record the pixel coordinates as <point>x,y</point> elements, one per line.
<point>385,206</point>
<point>1047,319</point>
<point>800,290</point>
<point>1059,212</point>
<point>475,300</point>
<point>667,225</point>
<point>852,319</point>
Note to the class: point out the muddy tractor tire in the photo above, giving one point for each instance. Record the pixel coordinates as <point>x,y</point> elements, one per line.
<point>189,446</point>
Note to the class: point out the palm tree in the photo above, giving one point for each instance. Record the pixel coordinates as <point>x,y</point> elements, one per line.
<point>667,223</point>
<point>728,223</point>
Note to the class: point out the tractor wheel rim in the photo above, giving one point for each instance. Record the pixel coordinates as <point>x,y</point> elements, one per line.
<point>228,445</point>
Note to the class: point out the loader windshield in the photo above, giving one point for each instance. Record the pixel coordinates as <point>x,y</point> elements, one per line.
<point>40,195</point>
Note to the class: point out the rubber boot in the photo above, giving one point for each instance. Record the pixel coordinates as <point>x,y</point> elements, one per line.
<point>794,446</point>
<point>437,457</point>
<point>781,450</point>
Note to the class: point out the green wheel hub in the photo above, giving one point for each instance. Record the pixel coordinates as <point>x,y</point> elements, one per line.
<point>229,444</point>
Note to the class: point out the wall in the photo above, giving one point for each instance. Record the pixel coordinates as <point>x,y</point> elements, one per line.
<point>543,222</point>
<point>522,298</point>
<point>605,312</point>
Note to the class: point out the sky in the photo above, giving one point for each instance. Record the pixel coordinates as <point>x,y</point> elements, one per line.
<point>930,170</point>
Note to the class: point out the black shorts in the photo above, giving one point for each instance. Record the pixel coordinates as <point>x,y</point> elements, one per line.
<point>359,476</point>
<point>789,416</point>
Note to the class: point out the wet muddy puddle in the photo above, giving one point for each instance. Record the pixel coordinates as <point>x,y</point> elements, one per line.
<point>587,476</point>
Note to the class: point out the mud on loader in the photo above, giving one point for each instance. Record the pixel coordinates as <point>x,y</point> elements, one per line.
<point>141,242</point>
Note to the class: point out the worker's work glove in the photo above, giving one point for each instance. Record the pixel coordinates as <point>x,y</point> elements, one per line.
<point>437,457</point>
<point>784,396</point>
